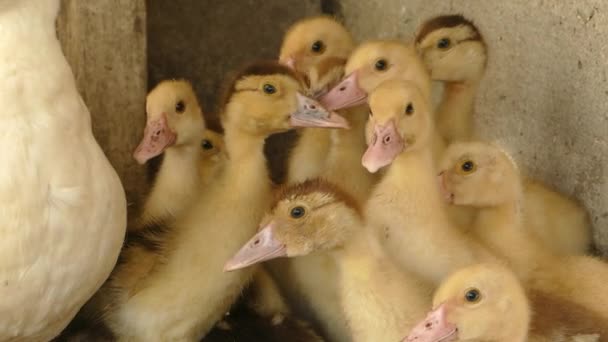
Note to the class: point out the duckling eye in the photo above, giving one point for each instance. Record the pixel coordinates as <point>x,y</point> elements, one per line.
<point>381,65</point>
<point>269,88</point>
<point>443,43</point>
<point>206,144</point>
<point>297,212</point>
<point>468,166</point>
<point>409,109</point>
<point>180,107</point>
<point>472,295</point>
<point>318,47</point>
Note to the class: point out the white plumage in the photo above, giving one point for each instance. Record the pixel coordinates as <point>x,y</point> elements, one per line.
<point>62,207</point>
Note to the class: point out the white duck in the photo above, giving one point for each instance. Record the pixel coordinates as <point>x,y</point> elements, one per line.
<point>63,213</point>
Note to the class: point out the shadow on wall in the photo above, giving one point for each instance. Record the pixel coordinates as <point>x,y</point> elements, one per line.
<point>203,41</point>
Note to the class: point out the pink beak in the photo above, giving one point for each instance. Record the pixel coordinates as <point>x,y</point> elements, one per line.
<point>345,94</point>
<point>157,137</point>
<point>385,146</point>
<point>312,114</point>
<point>261,247</point>
<point>434,328</point>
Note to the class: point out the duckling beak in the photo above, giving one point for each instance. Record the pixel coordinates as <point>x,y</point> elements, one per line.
<point>262,246</point>
<point>345,94</point>
<point>311,114</point>
<point>157,137</point>
<point>434,328</point>
<point>385,146</point>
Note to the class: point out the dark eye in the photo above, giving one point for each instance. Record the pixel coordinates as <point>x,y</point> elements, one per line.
<point>443,43</point>
<point>409,109</point>
<point>318,47</point>
<point>468,166</point>
<point>381,65</point>
<point>180,107</point>
<point>269,89</point>
<point>206,144</point>
<point>297,212</point>
<point>472,296</point>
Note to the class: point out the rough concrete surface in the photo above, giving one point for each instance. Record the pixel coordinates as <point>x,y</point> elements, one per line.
<point>105,44</point>
<point>545,94</point>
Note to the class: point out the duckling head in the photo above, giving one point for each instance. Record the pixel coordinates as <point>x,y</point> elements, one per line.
<point>484,302</point>
<point>174,118</point>
<point>306,217</point>
<point>478,174</point>
<point>452,49</point>
<point>318,48</point>
<point>371,64</point>
<point>266,98</point>
<point>399,120</point>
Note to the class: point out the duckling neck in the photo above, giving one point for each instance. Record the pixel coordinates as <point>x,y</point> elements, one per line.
<point>246,164</point>
<point>500,228</point>
<point>344,157</point>
<point>455,111</point>
<point>422,223</point>
<point>176,182</point>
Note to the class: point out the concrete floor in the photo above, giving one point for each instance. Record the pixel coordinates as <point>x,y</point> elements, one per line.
<point>545,95</point>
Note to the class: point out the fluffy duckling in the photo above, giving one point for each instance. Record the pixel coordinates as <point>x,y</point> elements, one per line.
<point>263,99</point>
<point>174,128</point>
<point>318,48</point>
<point>455,53</point>
<point>484,176</point>
<point>378,300</point>
<point>63,209</point>
<point>368,66</point>
<point>483,302</point>
<point>405,208</point>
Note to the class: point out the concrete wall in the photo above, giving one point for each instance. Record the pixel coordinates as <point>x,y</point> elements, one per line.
<point>105,43</point>
<point>545,94</point>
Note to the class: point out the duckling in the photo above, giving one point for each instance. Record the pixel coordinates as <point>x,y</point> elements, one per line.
<point>484,176</point>
<point>213,156</point>
<point>455,53</point>
<point>405,208</point>
<point>370,64</point>
<point>182,297</point>
<point>378,300</point>
<point>318,48</point>
<point>64,212</point>
<point>483,302</point>
<point>174,128</point>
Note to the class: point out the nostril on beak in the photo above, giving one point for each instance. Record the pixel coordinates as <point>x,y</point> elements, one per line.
<point>343,88</point>
<point>312,107</point>
<point>256,242</point>
<point>387,139</point>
